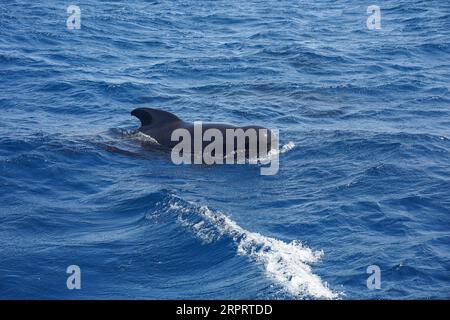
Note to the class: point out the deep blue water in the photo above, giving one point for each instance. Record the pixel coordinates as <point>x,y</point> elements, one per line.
<point>366,114</point>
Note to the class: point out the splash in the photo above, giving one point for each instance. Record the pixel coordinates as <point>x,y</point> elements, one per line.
<point>141,137</point>
<point>286,264</point>
<point>287,147</point>
<point>274,153</point>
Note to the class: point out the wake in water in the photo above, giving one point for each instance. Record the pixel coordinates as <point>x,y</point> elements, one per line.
<point>139,136</point>
<point>286,264</point>
<point>272,154</point>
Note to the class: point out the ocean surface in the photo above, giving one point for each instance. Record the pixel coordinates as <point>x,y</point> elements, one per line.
<point>364,179</point>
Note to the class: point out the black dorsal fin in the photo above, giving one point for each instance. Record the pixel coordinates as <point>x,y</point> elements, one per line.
<point>149,116</point>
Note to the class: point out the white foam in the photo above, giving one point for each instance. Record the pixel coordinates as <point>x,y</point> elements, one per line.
<point>139,136</point>
<point>287,264</point>
<point>274,153</point>
<point>287,147</point>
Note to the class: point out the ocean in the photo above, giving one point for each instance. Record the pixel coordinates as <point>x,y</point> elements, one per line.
<point>364,123</point>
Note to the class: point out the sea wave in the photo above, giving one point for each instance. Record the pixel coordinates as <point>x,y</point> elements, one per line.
<point>286,264</point>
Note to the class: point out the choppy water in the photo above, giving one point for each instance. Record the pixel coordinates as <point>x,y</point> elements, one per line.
<point>365,114</point>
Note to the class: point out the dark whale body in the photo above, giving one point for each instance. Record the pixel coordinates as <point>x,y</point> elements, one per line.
<point>160,124</point>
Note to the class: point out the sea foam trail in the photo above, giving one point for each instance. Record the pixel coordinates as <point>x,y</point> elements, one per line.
<point>286,264</point>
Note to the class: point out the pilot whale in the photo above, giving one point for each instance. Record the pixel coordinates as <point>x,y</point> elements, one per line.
<point>162,126</point>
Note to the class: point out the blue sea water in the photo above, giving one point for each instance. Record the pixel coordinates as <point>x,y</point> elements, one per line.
<point>364,117</point>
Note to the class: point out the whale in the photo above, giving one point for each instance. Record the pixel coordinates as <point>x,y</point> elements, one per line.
<point>161,125</point>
